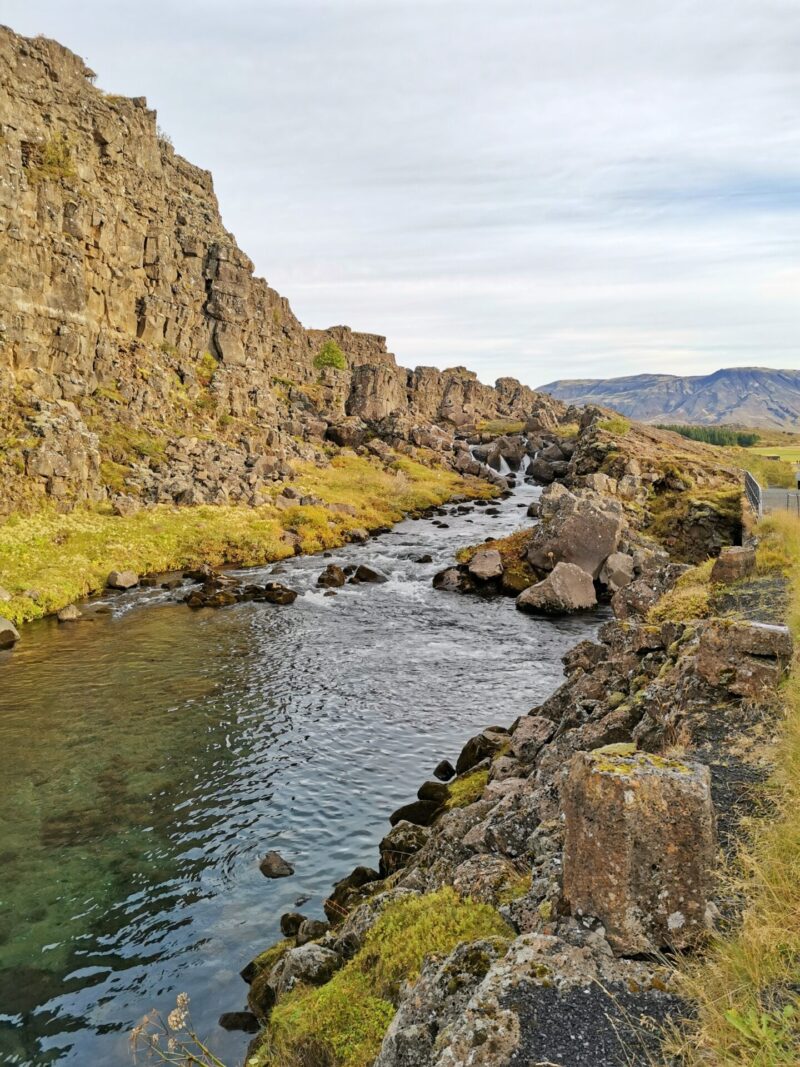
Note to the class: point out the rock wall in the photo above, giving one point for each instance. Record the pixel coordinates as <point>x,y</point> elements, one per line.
<point>131,318</point>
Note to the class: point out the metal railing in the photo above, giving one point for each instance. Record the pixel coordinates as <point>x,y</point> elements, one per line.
<point>752,490</point>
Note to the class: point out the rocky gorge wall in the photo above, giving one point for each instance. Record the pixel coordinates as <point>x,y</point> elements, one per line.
<point>139,354</point>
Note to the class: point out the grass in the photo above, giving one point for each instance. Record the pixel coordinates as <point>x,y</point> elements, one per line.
<point>617,424</point>
<point>789,453</point>
<point>500,427</point>
<point>50,161</point>
<point>745,988</point>
<point>66,557</point>
<point>343,1022</point>
<point>768,472</point>
<point>689,598</point>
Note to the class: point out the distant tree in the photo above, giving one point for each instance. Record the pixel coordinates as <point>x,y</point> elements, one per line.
<point>714,435</point>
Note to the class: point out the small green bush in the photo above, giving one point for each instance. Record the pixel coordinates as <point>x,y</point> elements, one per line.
<point>330,355</point>
<point>50,161</point>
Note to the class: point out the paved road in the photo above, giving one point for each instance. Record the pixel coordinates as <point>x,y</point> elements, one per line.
<point>781,500</point>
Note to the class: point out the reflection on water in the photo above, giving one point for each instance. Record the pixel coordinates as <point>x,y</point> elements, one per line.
<point>152,755</point>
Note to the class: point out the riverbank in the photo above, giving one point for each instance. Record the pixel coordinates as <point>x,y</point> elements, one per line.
<point>49,560</point>
<point>674,706</point>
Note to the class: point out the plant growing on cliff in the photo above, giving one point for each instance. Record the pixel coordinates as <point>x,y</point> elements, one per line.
<point>330,355</point>
<point>206,368</point>
<point>49,161</point>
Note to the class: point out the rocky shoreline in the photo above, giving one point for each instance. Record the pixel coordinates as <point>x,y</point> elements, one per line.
<point>592,825</point>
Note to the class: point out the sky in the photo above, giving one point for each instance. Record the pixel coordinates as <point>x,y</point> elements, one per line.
<point>536,188</point>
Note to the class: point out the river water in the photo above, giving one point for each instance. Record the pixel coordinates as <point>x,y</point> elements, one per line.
<point>152,755</point>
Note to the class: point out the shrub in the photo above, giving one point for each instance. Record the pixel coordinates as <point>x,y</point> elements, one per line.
<point>206,369</point>
<point>330,355</point>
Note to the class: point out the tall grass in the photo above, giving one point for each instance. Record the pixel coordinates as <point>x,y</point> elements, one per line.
<point>745,988</point>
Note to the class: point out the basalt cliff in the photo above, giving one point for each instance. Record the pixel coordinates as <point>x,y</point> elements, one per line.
<point>139,355</point>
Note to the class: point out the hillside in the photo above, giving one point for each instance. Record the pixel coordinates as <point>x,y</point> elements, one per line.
<point>742,396</point>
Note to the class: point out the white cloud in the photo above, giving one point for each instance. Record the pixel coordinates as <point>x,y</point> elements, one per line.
<point>546,188</point>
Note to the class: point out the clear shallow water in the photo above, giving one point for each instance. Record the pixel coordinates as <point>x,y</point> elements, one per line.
<point>151,756</point>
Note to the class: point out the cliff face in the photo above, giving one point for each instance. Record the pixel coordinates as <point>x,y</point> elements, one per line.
<point>138,353</point>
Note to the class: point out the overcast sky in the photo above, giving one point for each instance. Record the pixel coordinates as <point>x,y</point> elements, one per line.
<point>542,188</point>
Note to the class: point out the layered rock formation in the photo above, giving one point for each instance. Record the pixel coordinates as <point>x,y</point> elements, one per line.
<point>139,354</point>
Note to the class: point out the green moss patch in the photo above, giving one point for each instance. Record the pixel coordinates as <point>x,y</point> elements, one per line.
<point>342,1023</point>
<point>466,789</point>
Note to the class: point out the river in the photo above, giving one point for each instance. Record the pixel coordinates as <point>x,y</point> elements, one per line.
<point>152,755</point>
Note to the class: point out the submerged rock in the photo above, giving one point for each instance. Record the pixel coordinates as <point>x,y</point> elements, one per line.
<point>69,614</point>
<point>332,577</point>
<point>368,575</point>
<point>273,865</point>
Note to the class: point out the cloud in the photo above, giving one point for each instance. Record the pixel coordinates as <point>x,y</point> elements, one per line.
<point>545,188</point>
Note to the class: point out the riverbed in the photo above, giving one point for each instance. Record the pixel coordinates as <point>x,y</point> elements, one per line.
<point>153,754</point>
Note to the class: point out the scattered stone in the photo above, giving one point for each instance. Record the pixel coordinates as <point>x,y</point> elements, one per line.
<point>9,635</point>
<point>640,847</point>
<point>311,930</point>
<point>427,558</point>
<point>368,575</point>
<point>273,865</point>
<point>69,614</point>
<point>332,577</point>
<point>291,921</point>
<point>122,580</point>
<point>444,770</point>
<point>617,571</point>
<point>566,589</point>
<point>733,565</point>
<point>436,791</point>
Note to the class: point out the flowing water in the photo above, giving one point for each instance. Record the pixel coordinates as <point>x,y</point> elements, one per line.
<point>151,756</point>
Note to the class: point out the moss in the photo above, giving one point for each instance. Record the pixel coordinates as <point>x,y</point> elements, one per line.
<point>546,910</point>
<point>517,572</point>
<point>266,960</point>
<point>623,759</point>
<point>466,789</point>
<point>515,889</point>
<point>342,1024</point>
<point>689,598</point>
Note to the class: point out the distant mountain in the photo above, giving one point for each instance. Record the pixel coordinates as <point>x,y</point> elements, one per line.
<point>742,396</point>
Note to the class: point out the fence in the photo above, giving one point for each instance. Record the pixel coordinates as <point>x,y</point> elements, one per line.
<point>752,490</point>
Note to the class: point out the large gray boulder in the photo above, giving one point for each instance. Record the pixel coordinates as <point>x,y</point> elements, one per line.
<point>617,571</point>
<point>9,635</point>
<point>583,530</point>
<point>309,964</point>
<point>122,580</point>
<point>566,589</point>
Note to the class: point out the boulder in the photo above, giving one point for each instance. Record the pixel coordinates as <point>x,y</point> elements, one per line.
<point>122,580</point>
<point>581,530</point>
<point>444,770</point>
<point>746,658</point>
<point>273,865</point>
<point>69,614</point>
<point>348,892</point>
<point>332,577</point>
<point>308,964</point>
<point>617,571</point>
<point>402,842</point>
<point>532,732</point>
<point>566,589</point>
<point>311,930</point>
<point>421,812</point>
<point>437,791</point>
<point>639,847</point>
<point>541,471</point>
<point>9,635</point>
<point>486,565</point>
<point>733,564</point>
<point>453,580</point>
<point>533,510</point>
<point>275,593</point>
<point>483,746</point>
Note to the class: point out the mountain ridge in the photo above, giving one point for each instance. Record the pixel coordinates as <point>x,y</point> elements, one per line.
<point>761,397</point>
